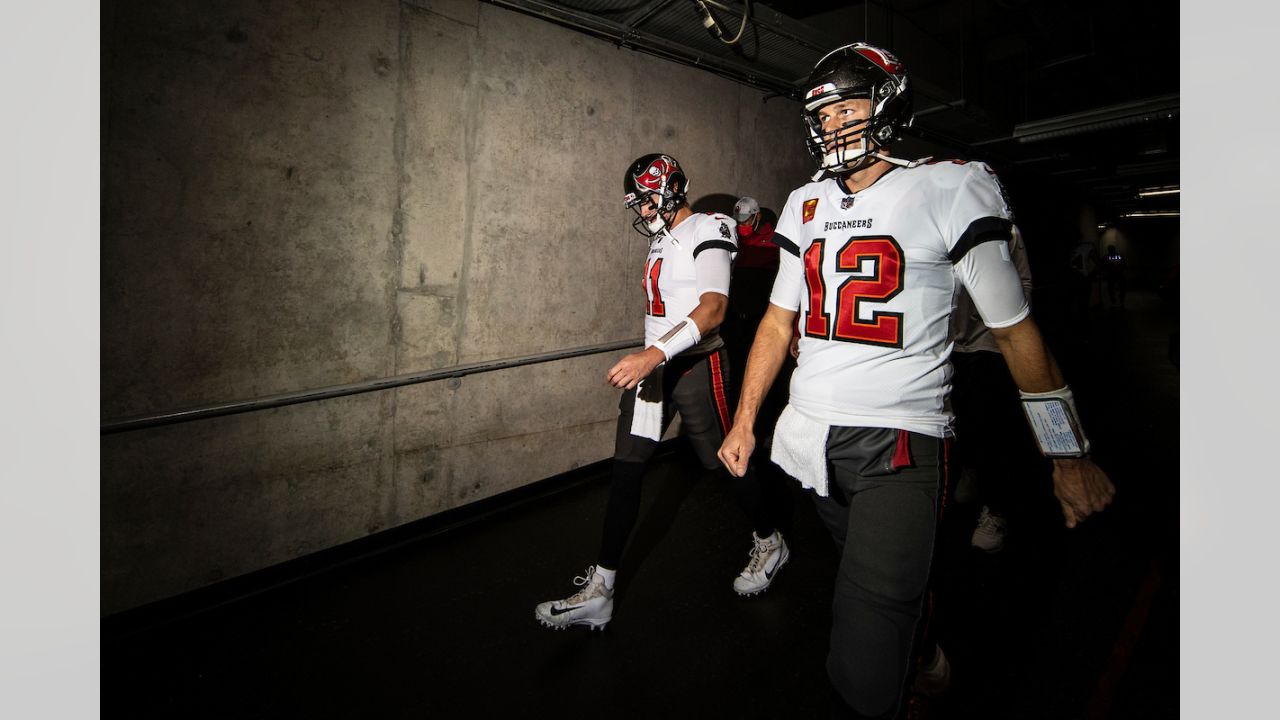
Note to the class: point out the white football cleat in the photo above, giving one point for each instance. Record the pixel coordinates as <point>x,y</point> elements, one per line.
<point>989,534</point>
<point>768,555</point>
<point>934,679</point>
<point>591,606</point>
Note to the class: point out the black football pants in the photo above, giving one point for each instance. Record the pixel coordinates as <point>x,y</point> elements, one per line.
<point>887,489</point>
<point>697,387</point>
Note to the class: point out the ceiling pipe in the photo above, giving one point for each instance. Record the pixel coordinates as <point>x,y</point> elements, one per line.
<point>778,24</point>
<point>623,36</point>
<point>649,12</point>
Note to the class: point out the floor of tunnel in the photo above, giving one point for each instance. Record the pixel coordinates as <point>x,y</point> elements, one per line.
<point>1060,624</point>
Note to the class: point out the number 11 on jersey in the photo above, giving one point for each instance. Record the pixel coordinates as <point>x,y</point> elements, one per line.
<point>652,295</point>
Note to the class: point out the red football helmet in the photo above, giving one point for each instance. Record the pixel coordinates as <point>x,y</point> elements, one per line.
<point>654,174</point>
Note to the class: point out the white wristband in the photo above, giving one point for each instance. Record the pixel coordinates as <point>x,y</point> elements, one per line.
<point>1055,423</point>
<point>680,338</point>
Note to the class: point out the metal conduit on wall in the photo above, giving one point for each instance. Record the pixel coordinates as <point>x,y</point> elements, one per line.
<point>172,417</point>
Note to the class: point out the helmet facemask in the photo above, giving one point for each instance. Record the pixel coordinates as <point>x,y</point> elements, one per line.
<point>661,218</point>
<point>854,144</point>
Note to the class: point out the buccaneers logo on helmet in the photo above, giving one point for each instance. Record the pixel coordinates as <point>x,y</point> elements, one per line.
<point>654,174</point>
<point>657,175</point>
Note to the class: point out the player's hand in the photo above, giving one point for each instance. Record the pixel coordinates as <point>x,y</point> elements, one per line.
<point>736,449</point>
<point>630,370</point>
<point>795,346</point>
<point>1082,488</point>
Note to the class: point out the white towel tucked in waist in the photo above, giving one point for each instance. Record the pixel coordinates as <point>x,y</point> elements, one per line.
<point>800,449</point>
<point>646,417</point>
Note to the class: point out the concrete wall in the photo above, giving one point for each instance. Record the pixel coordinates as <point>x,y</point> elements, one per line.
<point>302,193</point>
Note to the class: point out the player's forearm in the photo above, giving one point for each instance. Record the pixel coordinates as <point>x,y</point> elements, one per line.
<point>1030,362</point>
<point>710,311</point>
<point>773,337</point>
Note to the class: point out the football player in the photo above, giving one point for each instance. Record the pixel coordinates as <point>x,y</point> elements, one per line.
<point>873,253</point>
<point>682,369</point>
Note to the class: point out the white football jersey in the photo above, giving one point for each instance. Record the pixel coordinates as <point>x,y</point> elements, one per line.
<point>874,275</point>
<point>693,258</point>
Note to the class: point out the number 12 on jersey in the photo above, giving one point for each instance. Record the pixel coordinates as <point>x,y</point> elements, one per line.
<point>882,284</point>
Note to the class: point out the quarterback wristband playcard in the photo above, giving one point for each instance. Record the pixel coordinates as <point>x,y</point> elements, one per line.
<point>1055,427</point>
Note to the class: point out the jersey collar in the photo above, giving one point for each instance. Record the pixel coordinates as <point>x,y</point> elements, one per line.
<point>845,189</point>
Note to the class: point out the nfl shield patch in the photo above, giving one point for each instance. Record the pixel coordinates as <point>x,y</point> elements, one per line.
<point>810,207</point>
<point>846,202</point>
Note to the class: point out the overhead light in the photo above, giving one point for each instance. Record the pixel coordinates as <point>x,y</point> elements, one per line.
<point>1157,108</point>
<point>1102,227</point>
<point>1152,214</point>
<point>1161,190</point>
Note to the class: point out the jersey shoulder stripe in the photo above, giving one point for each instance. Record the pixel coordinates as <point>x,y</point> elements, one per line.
<point>985,229</point>
<point>785,243</point>
<point>714,245</point>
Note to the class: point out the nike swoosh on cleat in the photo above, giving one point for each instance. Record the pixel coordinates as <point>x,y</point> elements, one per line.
<point>554,611</point>
<point>768,574</point>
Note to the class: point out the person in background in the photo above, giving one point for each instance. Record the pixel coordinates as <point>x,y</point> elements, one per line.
<point>1114,268</point>
<point>755,239</point>
<point>1081,279</point>
<point>753,271</point>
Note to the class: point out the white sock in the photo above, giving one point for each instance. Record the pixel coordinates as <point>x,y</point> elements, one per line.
<point>607,575</point>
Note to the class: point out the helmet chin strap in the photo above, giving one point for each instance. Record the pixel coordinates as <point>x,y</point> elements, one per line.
<point>863,160</point>
<point>900,162</point>
<point>651,228</point>
<point>661,222</point>
<point>658,225</point>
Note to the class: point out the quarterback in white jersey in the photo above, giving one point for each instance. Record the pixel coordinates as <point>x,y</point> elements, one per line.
<point>874,287</point>
<point>872,259</point>
<point>683,370</point>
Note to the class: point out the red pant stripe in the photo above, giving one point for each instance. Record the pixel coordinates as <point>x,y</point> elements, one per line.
<point>717,385</point>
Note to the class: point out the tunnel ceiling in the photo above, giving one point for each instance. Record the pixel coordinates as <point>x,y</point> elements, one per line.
<point>1083,94</point>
